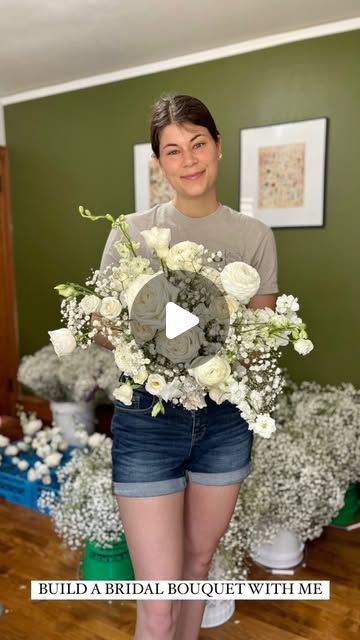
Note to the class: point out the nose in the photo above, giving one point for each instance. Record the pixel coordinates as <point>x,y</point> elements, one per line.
<point>189,158</point>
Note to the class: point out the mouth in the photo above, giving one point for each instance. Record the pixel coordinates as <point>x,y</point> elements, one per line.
<point>194,176</point>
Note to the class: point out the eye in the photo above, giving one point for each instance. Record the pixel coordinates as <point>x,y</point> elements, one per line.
<point>202,143</point>
<point>171,152</point>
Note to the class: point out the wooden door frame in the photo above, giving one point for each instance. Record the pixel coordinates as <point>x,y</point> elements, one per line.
<point>9,338</point>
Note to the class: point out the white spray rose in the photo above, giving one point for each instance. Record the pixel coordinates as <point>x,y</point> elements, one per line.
<point>210,372</point>
<point>181,349</point>
<point>185,255</point>
<point>124,393</point>
<point>53,459</point>
<point>158,240</point>
<point>150,306</point>
<point>110,307</point>
<point>89,304</point>
<point>303,346</point>
<point>264,425</point>
<point>63,341</point>
<point>240,280</point>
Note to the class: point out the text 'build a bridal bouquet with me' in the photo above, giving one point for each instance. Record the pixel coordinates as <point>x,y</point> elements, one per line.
<point>231,354</point>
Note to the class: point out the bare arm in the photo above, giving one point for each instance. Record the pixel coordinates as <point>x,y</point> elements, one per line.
<point>99,338</point>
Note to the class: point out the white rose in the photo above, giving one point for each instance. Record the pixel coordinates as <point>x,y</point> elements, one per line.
<point>181,349</point>
<point>110,307</point>
<point>240,280</point>
<point>89,304</point>
<point>53,459</point>
<point>303,346</point>
<point>32,426</point>
<point>124,393</point>
<point>141,332</point>
<point>4,441</point>
<point>185,255</point>
<point>151,300</point>
<point>158,240</point>
<point>264,425</point>
<point>63,341</point>
<point>96,439</point>
<point>210,372</point>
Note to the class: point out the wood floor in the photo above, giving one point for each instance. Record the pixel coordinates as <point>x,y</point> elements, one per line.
<point>29,549</point>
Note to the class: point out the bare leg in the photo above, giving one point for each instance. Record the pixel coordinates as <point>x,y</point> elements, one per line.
<point>208,511</point>
<point>154,533</point>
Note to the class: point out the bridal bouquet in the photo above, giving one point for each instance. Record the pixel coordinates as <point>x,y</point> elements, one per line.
<point>232,354</point>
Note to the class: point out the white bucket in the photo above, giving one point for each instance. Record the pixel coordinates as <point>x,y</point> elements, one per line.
<point>217,612</point>
<point>285,552</point>
<point>66,415</point>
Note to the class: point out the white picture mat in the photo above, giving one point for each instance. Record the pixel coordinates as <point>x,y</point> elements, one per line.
<point>142,155</point>
<point>310,132</point>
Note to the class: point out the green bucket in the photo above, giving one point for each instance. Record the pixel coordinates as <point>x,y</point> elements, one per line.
<point>107,564</point>
<point>348,513</point>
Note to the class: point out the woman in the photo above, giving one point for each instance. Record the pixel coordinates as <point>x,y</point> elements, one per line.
<point>177,476</point>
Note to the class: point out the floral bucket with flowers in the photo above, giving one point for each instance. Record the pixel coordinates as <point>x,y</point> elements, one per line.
<point>99,563</point>
<point>348,513</point>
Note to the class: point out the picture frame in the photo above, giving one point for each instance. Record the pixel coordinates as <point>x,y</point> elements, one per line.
<point>150,185</point>
<point>283,173</point>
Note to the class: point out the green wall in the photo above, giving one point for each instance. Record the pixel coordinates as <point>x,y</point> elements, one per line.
<point>77,148</point>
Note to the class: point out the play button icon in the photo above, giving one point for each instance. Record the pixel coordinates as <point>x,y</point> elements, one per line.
<point>178,320</point>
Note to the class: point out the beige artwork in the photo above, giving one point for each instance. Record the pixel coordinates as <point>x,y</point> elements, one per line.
<point>159,188</point>
<point>281,176</point>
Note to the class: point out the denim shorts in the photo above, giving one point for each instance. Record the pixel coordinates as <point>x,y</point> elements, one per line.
<point>153,456</point>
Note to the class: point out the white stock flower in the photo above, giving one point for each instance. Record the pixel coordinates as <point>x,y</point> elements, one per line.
<point>181,349</point>
<point>140,376</point>
<point>185,255</point>
<point>96,439</point>
<point>63,341</point>
<point>53,459</point>
<point>151,300</point>
<point>210,372</point>
<point>4,440</point>
<point>263,425</point>
<point>158,240</point>
<point>240,280</point>
<point>303,346</point>
<point>89,304</point>
<point>110,307</point>
<point>124,393</point>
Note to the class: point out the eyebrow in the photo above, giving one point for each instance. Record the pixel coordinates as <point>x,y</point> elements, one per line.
<point>173,144</point>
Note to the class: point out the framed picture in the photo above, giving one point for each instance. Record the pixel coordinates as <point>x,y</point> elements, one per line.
<point>282,173</point>
<point>151,187</point>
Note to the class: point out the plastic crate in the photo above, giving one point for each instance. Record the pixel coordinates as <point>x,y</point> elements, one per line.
<point>15,486</point>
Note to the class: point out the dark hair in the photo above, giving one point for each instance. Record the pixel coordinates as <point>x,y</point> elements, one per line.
<point>180,108</point>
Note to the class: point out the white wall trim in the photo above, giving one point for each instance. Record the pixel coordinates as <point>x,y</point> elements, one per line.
<point>2,127</point>
<point>329,28</point>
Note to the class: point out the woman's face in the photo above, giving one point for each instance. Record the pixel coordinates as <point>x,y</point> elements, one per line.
<point>189,150</point>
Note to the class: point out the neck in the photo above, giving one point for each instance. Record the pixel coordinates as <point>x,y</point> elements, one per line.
<point>194,207</point>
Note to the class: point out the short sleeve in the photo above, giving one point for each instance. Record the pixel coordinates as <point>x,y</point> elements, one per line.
<point>265,262</point>
<point>109,255</point>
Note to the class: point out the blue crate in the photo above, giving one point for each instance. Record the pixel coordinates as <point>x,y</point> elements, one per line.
<point>15,486</point>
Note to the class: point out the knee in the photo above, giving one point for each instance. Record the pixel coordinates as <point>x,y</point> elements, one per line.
<point>158,617</point>
<point>197,563</point>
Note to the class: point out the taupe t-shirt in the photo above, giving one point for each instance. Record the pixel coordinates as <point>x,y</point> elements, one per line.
<point>238,236</point>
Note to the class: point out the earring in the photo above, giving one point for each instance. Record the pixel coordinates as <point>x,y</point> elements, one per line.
<point>220,156</point>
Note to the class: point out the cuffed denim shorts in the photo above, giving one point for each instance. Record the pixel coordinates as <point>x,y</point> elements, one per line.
<point>153,456</point>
